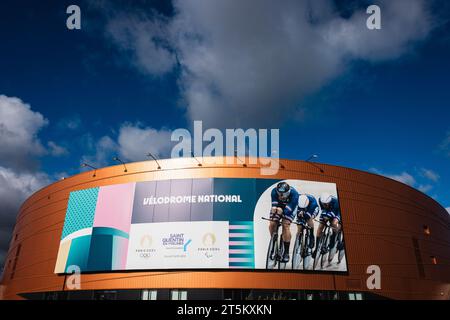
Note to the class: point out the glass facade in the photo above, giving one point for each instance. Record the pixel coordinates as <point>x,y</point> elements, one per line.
<point>202,294</point>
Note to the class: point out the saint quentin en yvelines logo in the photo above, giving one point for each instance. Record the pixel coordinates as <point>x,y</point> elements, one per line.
<point>145,249</point>
<point>176,241</point>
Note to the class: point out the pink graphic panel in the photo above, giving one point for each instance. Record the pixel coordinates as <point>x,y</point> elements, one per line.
<point>119,258</point>
<point>114,206</point>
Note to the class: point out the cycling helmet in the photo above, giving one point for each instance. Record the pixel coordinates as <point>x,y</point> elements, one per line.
<point>283,189</point>
<point>303,201</point>
<point>325,198</point>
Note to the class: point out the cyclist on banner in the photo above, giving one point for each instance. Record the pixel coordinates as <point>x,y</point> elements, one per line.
<point>330,211</point>
<point>307,210</point>
<point>284,202</point>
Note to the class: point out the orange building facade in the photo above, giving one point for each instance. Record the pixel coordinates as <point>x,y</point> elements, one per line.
<point>386,223</point>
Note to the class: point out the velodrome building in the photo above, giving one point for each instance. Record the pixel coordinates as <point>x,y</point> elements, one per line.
<point>192,229</point>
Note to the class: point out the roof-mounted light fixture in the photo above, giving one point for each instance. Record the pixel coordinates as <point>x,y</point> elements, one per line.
<point>236,156</point>
<point>123,163</point>
<point>314,156</point>
<point>84,165</point>
<point>154,158</point>
<point>193,156</point>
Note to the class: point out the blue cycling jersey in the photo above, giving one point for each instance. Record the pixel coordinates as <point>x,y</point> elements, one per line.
<point>313,208</point>
<point>288,204</point>
<point>333,207</point>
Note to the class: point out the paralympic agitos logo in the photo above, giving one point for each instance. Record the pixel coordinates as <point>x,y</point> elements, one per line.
<point>209,240</point>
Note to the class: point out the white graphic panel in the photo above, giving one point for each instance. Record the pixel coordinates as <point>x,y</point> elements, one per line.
<point>178,245</point>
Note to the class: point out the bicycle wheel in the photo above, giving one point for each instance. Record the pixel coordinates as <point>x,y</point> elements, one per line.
<point>297,253</point>
<point>342,251</point>
<point>318,252</point>
<point>272,252</point>
<point>324,250</point>
<point>306,251</point>
<point>333,250</point>
<point>341,255</point>
<point>281,265</point>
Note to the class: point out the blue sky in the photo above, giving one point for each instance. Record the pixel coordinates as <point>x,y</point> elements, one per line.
<point>373,101</point>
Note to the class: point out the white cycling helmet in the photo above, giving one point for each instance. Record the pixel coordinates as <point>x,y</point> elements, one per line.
<point>303,201</point>
<point>325,198</point>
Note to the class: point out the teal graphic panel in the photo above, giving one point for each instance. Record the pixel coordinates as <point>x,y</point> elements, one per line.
<point>80,211</point>
<point>79,252</point>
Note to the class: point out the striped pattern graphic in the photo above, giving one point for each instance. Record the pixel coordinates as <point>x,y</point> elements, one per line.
<point>241,245</point>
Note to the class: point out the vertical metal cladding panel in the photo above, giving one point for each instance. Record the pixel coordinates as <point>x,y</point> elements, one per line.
<point>201,279</point>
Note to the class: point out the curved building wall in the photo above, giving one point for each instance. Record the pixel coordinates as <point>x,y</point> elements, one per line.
<point>384,224</point>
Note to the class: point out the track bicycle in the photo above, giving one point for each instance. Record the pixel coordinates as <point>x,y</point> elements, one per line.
<point>302,254</point>
<point>275,249</point>
<point>323,252</point>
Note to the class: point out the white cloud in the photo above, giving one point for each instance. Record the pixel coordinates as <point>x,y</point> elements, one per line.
<point>430,174</point>
<point>252,62</point>
<point>56,150</point>
<point>403,23</point>
<point>136,141</point>
<point>404,177</point>
<point>420,181</point>
<point>445,145</point>
<point>144,40</point>
<point>71,123</point>
<point>425,187</point>
<point>448,209</point>
<point>20,149</point>
<point>15,187</point>
<point>105,149</point>
<point>132,144</point>
<point>19,126</point>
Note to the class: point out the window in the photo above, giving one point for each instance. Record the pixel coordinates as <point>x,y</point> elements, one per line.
<point>355,296</point>
<point>51,296</point>
<point>179,295</point>
<point>105,295</point>
<point>149,294</point>
<point>426,230</point>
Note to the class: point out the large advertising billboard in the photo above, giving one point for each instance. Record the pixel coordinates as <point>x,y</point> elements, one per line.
<point>207,223</point>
